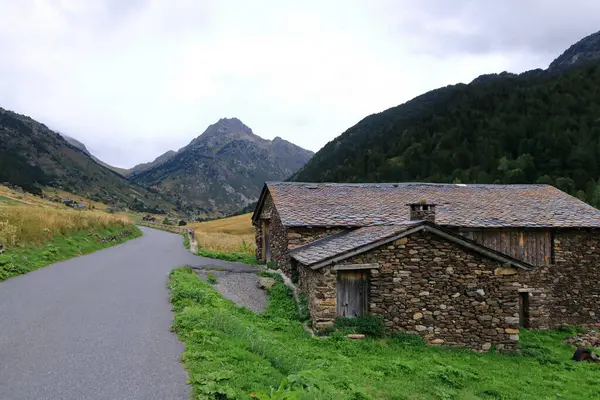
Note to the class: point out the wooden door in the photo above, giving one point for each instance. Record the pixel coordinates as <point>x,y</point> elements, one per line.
<point>352,291</point>
<point>266,241</point>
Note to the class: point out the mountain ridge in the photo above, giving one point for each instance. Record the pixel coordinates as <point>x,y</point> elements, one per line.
<point>32,156</point>
<point>74,142</point>
<point>223,169</point>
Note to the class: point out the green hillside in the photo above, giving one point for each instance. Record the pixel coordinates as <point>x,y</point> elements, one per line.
<point>535,127</point>
<point>32,156</point>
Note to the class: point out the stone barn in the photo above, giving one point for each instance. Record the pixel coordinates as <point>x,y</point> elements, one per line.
<point>459,265</point>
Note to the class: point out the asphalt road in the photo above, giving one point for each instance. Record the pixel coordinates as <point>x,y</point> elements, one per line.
<point>97,326</point>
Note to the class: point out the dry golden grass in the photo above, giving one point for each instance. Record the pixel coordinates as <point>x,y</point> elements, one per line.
<point>228,235</point>
<point>10,196</point>
<point>238,225</point>
<point>22,225</point>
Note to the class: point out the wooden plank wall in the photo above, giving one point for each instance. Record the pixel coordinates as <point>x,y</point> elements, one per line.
<point>531,246</point>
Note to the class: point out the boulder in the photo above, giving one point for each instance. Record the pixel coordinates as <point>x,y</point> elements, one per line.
<point>266,283</point>
<point>355,336</point>
<point>583,354</point>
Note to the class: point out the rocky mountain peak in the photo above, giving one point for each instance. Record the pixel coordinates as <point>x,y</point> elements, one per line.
<point>224,169</point>
<point>587,49</point>
<point>224,131</point>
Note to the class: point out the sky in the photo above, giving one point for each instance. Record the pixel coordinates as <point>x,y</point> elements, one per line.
<point>134,78</point>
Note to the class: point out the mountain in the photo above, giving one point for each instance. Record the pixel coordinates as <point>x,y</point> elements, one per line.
<point>123,171</point>
<point>582,52</point>
<point>223,170</point>
<point>74,142</point>
<point>32,156</point>
<point>130,173</point>
<point>540,126</point>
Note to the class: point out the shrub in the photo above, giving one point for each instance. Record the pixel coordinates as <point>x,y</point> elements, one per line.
<point>211,278</point>
<point>371,325</point>
<point>272,265</point>
<point>407,339</point>
<point>182,223</point>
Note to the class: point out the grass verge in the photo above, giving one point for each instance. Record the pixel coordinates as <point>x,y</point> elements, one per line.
<point>236,256</point>
<point>232,353</point>
<point>20,260</point>
<point>230,239</point>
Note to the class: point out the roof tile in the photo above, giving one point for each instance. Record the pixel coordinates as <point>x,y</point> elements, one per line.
<point>343,242</point>
<point>485,206</point>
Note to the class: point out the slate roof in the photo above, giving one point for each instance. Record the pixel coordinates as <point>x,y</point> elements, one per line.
<point>346,241</point>
<point>485,206</point>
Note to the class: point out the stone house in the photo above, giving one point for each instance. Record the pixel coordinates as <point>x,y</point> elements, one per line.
<point>460,265</point>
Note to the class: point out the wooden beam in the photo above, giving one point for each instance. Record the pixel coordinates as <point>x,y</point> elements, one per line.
<point>350,267</point>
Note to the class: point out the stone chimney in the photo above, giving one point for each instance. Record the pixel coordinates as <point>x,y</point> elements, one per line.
<point>422,212</point>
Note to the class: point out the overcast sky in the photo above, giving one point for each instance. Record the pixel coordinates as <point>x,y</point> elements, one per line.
<point>135,78</point>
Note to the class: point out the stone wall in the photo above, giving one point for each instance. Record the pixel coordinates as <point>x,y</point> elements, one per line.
<point>277,235</point>
<point>573,278</point>
<point>449,295</point>
<point>433,288</point>
<point>320,287</point>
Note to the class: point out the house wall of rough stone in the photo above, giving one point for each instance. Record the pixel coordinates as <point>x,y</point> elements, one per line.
<point>277,234</point>
<point>320,288</point>
<point>574,278</point>
<point>433,288</point>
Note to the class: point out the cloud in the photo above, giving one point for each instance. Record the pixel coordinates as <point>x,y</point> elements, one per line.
<point>133,79</point>
<point>545,27</point>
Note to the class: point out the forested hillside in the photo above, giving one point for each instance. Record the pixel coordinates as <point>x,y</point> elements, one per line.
<point>536,127</point>
<point>33,156</point>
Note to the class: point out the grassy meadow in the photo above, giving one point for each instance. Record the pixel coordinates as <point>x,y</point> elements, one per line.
<point>233,353</point>
<point>36,232</point>
<point>26,225</point>
<point>230,238</point>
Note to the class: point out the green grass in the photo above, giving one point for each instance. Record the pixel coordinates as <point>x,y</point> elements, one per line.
<point>236,257</point>
<point>20,260</point>
<point>7,201</point>
<point>232,353</point>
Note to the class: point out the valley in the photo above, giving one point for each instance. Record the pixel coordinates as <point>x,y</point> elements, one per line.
<point>423,253</point>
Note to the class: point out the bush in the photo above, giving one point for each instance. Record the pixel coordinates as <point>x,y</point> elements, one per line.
<point>211,278</point>
<point>182,223</point>
<point>407,339</point>
<point>272,265</point>
<point>371,325</point>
